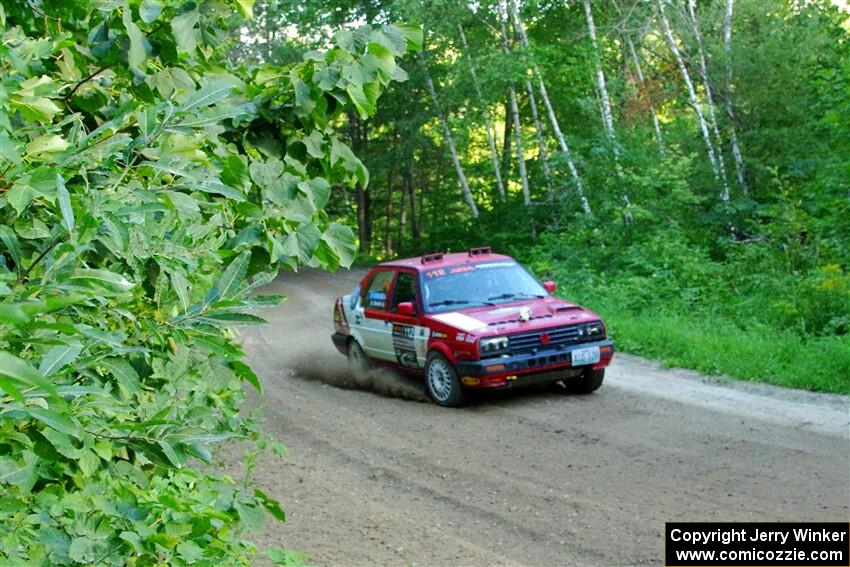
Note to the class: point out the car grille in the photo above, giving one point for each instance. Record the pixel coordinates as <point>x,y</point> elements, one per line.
<point>521,343</point>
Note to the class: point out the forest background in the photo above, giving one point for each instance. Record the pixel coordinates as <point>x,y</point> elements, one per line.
<point>681,167</point>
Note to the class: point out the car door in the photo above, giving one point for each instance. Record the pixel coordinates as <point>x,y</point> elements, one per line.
<point>371,316</point>
<point>409,337</point>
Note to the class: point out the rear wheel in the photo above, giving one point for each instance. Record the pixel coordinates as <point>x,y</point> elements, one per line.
<point>586,382</point>
<point>442,382</point>
<point>357,359</point>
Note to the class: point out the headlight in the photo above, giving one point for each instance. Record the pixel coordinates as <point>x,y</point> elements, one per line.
<point>492,346</point>
<point>592,331</point>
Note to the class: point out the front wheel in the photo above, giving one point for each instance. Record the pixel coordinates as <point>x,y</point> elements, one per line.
<point>442,382</point>
<point>585,383</point>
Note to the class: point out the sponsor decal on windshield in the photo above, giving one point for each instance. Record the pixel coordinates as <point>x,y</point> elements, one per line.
<point>463,268</point>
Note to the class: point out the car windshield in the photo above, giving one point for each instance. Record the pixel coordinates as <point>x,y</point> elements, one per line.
<point>474,285</point>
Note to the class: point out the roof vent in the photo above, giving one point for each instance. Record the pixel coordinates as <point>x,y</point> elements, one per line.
<point>480,250</point>
<point>435,257</point>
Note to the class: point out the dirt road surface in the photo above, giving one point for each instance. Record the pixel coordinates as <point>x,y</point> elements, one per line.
<point>374,476</point>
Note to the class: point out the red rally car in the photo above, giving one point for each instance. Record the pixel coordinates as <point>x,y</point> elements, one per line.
<point>470,320</point>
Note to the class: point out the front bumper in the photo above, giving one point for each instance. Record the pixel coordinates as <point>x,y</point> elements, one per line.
<point>548,365</point>
<point>340,342</point>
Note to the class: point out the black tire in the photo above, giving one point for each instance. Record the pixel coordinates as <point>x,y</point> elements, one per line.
<point>585,383</point>
<point>357,359</point>
<point>444,387</point>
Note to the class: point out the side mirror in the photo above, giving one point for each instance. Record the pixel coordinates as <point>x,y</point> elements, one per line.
<point>550,286</point>
<point>406,308</point>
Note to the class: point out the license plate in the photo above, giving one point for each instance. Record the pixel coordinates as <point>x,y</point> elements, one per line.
<point>583,356</point>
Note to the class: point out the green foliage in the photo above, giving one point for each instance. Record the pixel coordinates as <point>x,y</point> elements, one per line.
<point>148,188</point>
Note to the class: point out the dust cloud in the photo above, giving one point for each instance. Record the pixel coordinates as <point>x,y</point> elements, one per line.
<point>335,371</point>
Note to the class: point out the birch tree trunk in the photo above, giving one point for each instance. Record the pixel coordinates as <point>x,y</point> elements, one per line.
<point>686,76</point>
<point>733,136</point>
<point>464,185</point>
<point>553,119</point>
<point>607,113</point>
<point>542,154</point>
<point>491,138</point>
<point>523,172</point>
<point>709,98</point>
<point>605,100</point>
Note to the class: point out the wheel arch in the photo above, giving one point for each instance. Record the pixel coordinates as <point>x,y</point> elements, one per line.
<point>441,348</point>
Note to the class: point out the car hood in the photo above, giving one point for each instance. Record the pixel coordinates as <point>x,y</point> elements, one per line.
<point>517,316</point>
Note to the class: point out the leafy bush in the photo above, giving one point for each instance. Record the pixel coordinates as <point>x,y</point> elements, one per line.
<point>147,188</point>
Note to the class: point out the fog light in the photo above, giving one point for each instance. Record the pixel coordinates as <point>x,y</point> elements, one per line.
<point>470,381</point>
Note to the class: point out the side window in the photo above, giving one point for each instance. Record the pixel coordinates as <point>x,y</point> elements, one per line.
<point>376,292</point>
<point>405,290</point>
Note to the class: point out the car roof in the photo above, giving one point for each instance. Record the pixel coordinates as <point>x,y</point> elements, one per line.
<point>447,260</point>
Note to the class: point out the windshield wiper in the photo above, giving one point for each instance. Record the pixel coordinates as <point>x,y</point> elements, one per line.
<point>457,302</point>
<point>517,295</point>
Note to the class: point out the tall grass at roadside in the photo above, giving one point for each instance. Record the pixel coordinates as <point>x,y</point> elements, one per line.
<point>714,345</point>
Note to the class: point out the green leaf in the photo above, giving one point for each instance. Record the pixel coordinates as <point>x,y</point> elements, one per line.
<point>101,278</point>
<point>17,473</point>
<point>173,453</point>
<point>283,190</point>
<point>234,317</point>
<point>64,203</point>
<point>340,239</point>
<point>136,53</point>
<point>317,189</point>
<point>414,35</point>
<point>9,149</point>
<point>149,10</point>
<point>233,276</point>
<point>302,243</point>
<point>251,515</point>
<point>270,504</point>
<point>181,288</point>
<point>183,28</point>
<point>134,540</point>
<point>21,372</point>
<point>207,95</point>
<point>12,314</point>
<point>82,550</point>
<point>189,551</point>
<point>304,102</point>
<point>10,241</point>
<point>287,557</point>
<point>214,116</point>
<point>47,144</point>
<point>57,357</point>
<point>50,418</point>
<point>125,375</point>
<point>36,109</point>
<point>20,196</point>
<point>365,107</point>
<point>246,7</point>
<point>246,373</point>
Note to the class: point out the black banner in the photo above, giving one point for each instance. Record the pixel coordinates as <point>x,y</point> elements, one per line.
<point>757,544</point>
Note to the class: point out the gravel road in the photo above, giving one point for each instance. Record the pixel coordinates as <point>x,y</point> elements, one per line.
<point>373,476</point>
